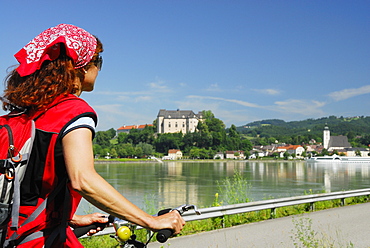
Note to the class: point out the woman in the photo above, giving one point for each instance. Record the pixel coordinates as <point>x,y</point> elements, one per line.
<point>55,68</point>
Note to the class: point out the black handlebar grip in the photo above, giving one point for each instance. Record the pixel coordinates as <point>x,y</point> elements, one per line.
<point>164,234</point>
<point>82,230</point>
<point>164,211</point>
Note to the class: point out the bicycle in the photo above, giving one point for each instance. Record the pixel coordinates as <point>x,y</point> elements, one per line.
<point>125,231</point>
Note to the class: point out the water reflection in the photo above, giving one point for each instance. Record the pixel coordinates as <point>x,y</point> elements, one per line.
<point>174,183</point>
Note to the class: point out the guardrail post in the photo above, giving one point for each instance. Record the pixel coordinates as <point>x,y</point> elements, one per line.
<point>343,202</point>
<point>273,213</point>
<point>312,206</point>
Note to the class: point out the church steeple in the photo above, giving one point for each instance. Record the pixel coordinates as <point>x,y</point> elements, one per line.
<point>326,136</point>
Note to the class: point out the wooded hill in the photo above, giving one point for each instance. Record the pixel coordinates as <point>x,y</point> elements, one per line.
<point>355,128</point>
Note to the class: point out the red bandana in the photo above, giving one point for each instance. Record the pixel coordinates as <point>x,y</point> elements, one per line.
<point>80,46</point>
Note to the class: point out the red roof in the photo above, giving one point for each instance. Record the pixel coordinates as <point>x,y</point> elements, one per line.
<point>173,151</point>
<point>290,147</point>
<point>134,126</point>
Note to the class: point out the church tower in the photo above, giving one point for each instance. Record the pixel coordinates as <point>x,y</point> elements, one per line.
<point>326,137</point>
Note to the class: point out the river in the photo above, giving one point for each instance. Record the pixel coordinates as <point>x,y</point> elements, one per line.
<point>169,184</point>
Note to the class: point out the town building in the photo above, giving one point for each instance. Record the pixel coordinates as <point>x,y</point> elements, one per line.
<point>235,155</point>
<point>332,143</point>
<point>127,129</point>
<point>354,152</point>
<point>175,121</point>
<point>174,154</point>
<point>297,150</point>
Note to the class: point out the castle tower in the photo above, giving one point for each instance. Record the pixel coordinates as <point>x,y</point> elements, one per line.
<point>326,137</point>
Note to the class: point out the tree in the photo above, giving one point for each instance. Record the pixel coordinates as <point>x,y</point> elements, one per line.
<point>103,139</point>
<point>207,114</point>
<point>167,141</point>
<point>324,152</point>
<point>139,152</point>
<point>232,132</point>
<point>125,150</point>
<point>147,149</point>
<point>202,136</point>
<point>122,137</point>
<point>194,153</point>
<point>358,153</point>
<point>113,153</point>
<point>97,150</point>
<point>111,133</point>
<point>246,145</point>
<point>286,155</point>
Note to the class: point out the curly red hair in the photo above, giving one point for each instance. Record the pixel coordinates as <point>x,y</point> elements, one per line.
<point>39,89</point>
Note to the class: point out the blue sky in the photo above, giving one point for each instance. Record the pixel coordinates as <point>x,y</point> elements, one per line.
<point>243,60</point>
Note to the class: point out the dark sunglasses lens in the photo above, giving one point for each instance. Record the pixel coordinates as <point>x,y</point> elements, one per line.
<point>99,62</point>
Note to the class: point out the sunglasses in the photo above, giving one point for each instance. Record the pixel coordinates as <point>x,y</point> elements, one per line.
<point>98,62</point>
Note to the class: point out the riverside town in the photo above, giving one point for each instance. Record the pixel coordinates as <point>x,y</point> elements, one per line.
<point>182,134</point>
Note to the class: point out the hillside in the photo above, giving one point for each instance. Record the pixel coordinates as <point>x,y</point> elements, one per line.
<point>354,126</point>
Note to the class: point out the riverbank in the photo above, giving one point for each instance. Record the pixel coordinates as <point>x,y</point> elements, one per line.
<point>138,160</point>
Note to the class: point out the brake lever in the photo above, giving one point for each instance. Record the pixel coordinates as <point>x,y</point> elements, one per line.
<point>183,208</point>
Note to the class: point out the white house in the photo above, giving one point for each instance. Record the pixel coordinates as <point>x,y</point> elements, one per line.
<point>235,155</point>
<point>297,150</point>
<point>174,154</point>
<point>352,152</point>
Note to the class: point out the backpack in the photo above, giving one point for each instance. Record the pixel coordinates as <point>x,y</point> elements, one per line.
<point>17,132</point>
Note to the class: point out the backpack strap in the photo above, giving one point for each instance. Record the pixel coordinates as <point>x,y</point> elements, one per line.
<point>16,239</point>
<point>17,184</point>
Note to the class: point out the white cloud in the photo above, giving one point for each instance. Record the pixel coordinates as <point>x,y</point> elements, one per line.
<point>214,87</point>
<point>243,103</point>
<point>143,99</point>
<point>303,107</point>
<point>159,86</point>
<point>288,107</point>
<point>268,91</point>
<point>348,93</point>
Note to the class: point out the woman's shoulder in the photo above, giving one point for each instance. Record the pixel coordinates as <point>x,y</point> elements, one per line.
<point>65,110</point>
<point>70,103</point>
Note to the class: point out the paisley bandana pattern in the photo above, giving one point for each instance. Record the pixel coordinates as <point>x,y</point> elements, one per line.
<point>80,46</point>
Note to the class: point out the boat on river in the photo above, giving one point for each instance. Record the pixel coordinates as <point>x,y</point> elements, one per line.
<point>339,159</point>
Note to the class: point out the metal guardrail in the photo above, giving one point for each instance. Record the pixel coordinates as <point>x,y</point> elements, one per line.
<point>263,205</point>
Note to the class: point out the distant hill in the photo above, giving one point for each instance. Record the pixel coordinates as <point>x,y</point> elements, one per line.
<point>358,126</point>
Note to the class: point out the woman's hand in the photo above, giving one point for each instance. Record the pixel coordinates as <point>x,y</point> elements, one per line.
<point>171,220</point>
<point>88,219</point>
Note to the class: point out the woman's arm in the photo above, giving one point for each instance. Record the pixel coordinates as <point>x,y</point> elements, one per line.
<point>79,159</point>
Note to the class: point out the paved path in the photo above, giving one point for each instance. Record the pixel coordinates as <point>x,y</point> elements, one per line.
<point>339,225</point>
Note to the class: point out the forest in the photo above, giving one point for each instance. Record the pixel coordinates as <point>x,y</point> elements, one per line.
<point>212,136</point>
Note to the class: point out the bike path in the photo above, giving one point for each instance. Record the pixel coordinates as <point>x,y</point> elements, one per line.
<point>340,225</point>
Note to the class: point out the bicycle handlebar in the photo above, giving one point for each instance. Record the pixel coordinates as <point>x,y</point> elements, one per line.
<point>162,235</point>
